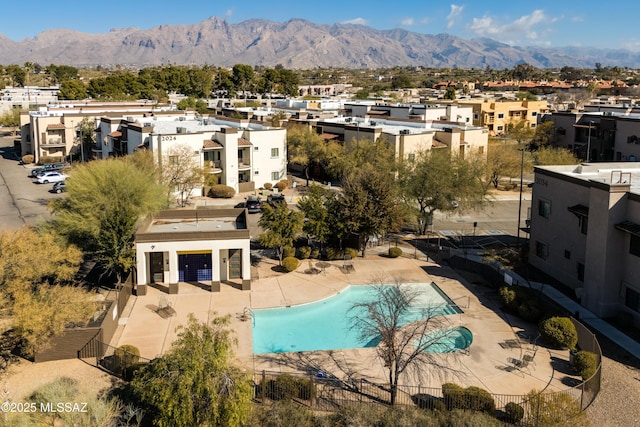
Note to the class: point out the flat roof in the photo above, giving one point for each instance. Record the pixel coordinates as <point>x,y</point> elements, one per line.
<point>612,173</point>
<point>181,225</point>
<point>196,224</point>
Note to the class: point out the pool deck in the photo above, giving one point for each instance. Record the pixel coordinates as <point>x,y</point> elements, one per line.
<point>498,338</point>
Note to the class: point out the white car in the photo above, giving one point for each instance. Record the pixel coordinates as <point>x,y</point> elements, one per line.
<point>48,177</point>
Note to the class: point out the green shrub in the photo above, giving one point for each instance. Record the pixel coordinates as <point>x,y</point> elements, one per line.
<point>315,253</point>
<point>585,363</point>
<point>290,264</point>
<point>351,252</point>
<point>288,251</point>
<point>334,253</point>
<point>530,311</point>
<point>126,356</point>
<point>304,252</point>
<point>220,191</point>
<point>470,398</point>
<point>514,412</point>
<point>453,396</point>
<point>287,387</point>
<point>267,186</point>
<point>559,332</point>
<point>395,252</point>
<point>282,185</point>
<point>508,296</point>
<point>479,399</point>
<point>27,159</point>
<point>47,160</point>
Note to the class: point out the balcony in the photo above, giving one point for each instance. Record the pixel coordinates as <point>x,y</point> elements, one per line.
<point>213,166</point>
<point>243,164</point>
<point>54,142</point>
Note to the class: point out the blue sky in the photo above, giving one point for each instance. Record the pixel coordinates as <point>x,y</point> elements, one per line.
<point>540,23</point>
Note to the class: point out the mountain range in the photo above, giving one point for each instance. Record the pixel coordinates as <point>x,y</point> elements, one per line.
<point>295,44</point>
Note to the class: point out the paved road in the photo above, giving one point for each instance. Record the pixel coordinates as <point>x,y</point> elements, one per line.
<point>22,201</point>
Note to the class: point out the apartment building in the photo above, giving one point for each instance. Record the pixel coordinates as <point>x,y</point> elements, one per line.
<point>54,130</point>
<point>585,232</point>
<point>496,115</point>
<point>408,137</point>
<point>606,135</point>
<point>240,153</point>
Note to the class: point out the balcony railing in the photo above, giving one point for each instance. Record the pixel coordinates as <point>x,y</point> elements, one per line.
<point>214,166</point>
<point>243,164</point>
<point>56,141</point>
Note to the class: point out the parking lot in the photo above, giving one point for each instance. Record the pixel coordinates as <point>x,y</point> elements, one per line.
<point>22,201</point>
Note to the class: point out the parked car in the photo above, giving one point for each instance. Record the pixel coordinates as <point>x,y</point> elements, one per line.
<point>48,168</point>
<point>48,177</point>
<point>59,187</point>
<point>253,204</point>
<point>276,199</point>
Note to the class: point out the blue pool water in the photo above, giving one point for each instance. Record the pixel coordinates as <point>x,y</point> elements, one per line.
<point>447,340</point>
<point>325,325</point>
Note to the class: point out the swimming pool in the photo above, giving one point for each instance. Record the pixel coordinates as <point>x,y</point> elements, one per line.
<point>447,340</point>
<point>324,325</point>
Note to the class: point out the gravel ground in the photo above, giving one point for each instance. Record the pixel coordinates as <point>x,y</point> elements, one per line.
<point>618,403</point>
<point>24,377</point>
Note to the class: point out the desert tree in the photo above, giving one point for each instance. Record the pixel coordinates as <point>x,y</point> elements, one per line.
<point>434,180</point>
<point>406,327</point>
<point>368,204</point>
<point>504,159</point>
<point>181,173</point>
<point>102,206</point>
<point>306,148</point>
<point>314,204</point>
<point>281,226</point>
<point>195,382</point>
<point>554,156</point>
<point>39,299</point>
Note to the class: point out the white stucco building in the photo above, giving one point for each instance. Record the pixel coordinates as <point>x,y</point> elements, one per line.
<point>240,153</point>
<point>203,246</point>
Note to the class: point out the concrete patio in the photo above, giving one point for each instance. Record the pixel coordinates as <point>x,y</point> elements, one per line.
<point>498,339</point>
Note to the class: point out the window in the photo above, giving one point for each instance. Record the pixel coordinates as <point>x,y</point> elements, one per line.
<point>634,246</point>
<point>275,152</point>
<point>542,250</point>
<point>255,148</point>
<point>501,115</point>
<point>500,128</point>
<point>533,125</point>
<point>567,254</point>
<point>534,113</point>
<point>580,267</point>
<point>544,208</point>
<point>476,116</point>
<point>480,150</point>
<point>173,160</point>
<point>467,120</point>
<point>275,175</point>
<point>411,157</point>
<point>632,299</point>
<point>256,173</point>
<point>583,222</point>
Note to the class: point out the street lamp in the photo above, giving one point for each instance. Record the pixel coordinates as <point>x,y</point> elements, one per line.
<point>589,141</point>
<point>520,203</point>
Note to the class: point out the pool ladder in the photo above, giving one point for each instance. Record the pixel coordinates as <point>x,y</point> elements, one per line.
<point>247,314</point>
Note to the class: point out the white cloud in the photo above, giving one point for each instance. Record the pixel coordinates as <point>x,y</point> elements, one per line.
<point>530,27</point>
<point>453,16</point>
<point>356,21</point>
<point>407,22</point>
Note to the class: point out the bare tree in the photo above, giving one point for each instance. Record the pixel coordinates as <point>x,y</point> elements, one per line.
<point>407,326</point>
<point>181,172</point>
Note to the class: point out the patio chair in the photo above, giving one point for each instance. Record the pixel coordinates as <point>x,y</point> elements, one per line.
<point>521,365</point>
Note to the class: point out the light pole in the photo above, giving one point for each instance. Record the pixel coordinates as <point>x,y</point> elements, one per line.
<point>520,202</point>
<point>589,141</point>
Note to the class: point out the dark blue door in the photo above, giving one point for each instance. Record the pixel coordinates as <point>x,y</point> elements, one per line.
<point>194,267</point>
